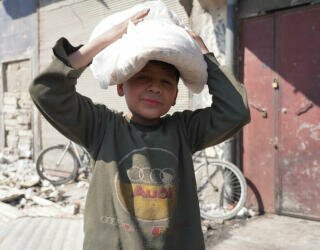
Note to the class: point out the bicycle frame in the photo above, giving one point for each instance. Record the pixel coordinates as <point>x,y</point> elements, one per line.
<point>74,148</point>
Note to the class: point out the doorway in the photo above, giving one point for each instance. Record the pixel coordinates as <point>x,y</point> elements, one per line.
<point>280,64</point>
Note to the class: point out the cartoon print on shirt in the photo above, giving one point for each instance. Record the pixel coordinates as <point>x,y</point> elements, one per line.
<point>148,192</point>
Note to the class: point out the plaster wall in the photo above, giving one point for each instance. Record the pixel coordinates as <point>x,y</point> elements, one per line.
<point>208,19</point>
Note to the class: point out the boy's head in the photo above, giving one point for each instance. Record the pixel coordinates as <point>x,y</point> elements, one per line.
<point>151,92</point>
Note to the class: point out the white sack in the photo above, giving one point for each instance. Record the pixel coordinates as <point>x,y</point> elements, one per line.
<point>160,36</point>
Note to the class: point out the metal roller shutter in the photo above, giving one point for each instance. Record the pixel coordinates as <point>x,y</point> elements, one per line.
<point>75,20</point>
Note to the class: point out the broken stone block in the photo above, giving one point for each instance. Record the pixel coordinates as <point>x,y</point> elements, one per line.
<point>11,195</point>
<point>23,118</point>
<point>25,140</point>
<point>12,140</point>
<point>43,202</point>
<point>56,195</point>
<point>23,126</point>
<point>10,154</point>
<point>10,116</point>
<point>25,150</point>
<point>9,109</point>
<point>24,145</point>
<point>10,124</point>
<point>10,100</point>
<point>47,190</point>
<point>30,181</point>
<point>26,133</point>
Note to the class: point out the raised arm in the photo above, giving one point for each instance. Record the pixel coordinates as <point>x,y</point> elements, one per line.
<point>228,113</point>
<point>53,91</point>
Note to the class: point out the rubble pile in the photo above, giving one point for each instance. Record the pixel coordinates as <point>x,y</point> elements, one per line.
<point>21,187</point>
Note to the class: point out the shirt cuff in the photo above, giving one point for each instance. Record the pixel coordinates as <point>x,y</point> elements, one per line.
<point>61,50</point>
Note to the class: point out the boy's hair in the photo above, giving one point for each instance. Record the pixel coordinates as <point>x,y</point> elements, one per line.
<point>169,67</point>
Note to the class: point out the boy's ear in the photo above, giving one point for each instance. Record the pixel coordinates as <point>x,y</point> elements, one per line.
<point>175,98</point>
<point>120,89</point>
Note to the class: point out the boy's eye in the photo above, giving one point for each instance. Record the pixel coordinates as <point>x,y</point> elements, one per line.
<point>167,83</point>
<point>142,77</point>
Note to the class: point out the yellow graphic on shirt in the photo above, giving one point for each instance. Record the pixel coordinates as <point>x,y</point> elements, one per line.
<point>148,202</point>
<point>148,191</point>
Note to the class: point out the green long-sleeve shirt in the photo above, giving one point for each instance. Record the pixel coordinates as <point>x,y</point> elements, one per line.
<point>142,194</point>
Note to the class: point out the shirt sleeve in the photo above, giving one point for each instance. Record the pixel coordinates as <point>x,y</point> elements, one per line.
<point>227,114</point>
<point>54,93</point>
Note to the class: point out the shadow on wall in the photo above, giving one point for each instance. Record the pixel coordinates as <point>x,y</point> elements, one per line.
<point>300,68</point>
<point>256,197</point>
<point>21,8</point>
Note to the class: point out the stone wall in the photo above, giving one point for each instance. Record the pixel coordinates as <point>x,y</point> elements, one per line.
<point>17,125</point>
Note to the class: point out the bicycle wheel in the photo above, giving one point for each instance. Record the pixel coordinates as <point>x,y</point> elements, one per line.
<point>57,164</point>
<point>222,189</point>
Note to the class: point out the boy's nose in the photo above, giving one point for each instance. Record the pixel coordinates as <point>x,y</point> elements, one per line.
<point>154,87</point>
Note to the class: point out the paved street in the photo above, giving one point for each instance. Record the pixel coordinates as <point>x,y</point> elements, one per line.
<point>42,233</point>
<point>269,232</point>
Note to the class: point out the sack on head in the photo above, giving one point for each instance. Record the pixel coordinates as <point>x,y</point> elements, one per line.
<point>160,36</point>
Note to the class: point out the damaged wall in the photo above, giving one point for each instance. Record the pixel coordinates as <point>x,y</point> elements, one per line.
<point>17,110</point>
<point>208,19</point>
<point>17,53</point>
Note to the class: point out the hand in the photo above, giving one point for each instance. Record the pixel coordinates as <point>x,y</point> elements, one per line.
<point>85,54</point>
<point>199,41</point>
<point>117,31</point>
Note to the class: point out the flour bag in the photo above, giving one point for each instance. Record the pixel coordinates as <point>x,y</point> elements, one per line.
<point>160,36</point>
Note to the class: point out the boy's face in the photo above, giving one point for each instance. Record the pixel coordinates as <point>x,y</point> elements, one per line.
<point>151,92</point>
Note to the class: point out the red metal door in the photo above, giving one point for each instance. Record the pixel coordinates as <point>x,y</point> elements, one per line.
<point>281,66</point>
<point>298,65</point>
<point>259,156</point>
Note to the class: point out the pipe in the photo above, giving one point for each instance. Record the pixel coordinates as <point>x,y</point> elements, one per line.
<point>230,145</point>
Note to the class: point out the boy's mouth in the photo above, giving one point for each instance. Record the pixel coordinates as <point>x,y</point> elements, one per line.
<point>150,101</point>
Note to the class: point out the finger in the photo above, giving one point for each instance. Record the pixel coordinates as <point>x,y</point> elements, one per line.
<point>191,33</point>
<point>136,21</point>
<point>141,14</point>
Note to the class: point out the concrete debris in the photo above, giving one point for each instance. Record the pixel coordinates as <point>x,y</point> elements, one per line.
<point>28,195</point>
<point>246,213</point>
<point>22,190</point>
<point>10,195</point>
<point>30,182</point>
<point>217,224</point>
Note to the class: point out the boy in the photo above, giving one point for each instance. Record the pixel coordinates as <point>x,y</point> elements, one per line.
<point>142,194</point>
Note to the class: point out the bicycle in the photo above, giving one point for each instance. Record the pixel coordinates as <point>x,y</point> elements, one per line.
<point>61,164</point>
<point>222,188</point>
